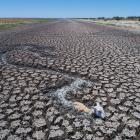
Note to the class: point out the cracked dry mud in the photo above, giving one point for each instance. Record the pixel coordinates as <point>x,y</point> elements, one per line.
<point>39,62</point>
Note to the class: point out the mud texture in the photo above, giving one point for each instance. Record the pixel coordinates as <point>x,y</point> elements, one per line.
<point>45,67</point>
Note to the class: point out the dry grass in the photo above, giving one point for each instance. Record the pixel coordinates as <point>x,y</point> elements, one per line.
<point>12,22</point>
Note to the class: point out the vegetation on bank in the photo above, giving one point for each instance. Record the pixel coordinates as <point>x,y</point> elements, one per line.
<point>13,22</point>
<point>134,18</point>
<point>125,22</point>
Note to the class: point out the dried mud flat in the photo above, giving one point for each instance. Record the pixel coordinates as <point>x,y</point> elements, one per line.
<point>45,67</point>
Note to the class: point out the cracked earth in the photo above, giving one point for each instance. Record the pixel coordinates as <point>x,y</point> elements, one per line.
<point>45,67</point>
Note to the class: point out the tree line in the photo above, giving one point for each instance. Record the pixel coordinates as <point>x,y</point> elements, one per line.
<point>117,18</point>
